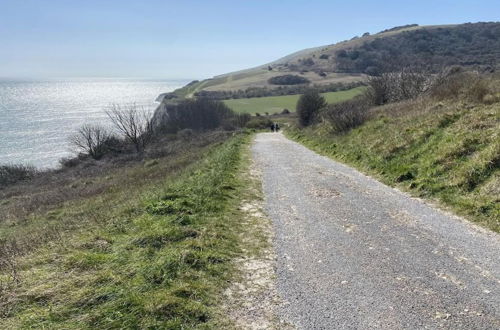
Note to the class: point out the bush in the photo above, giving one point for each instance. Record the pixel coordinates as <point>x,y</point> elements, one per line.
<point>185,134</point>
<point>197,114</point>
<point>285,112</point>
<point>308,106</point>
<point>403,84</point>
<point>91,139</point>
<point>69,162</point>
<point>347,115</point>
<point>308,61</point>
<point>456,83</point>
<point>259,123</point>
<point>288,79</point>
<point>136,125</point>
<point>10,174</point>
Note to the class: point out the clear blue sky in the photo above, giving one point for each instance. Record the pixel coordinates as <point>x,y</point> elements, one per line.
<point>194,39</point>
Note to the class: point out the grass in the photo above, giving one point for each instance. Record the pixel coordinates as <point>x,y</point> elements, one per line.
<point>153,255</point>
<point>274,104</point>
<point>447,151</point>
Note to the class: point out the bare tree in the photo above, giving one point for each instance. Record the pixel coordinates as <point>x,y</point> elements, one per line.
<point>135,124</point>
<point>399,84</point>
<point>91,139</point>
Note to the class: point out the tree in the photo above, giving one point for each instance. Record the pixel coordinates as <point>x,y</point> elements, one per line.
<point>91,139</point>
<point>136,125</point>
<point>308,106</point>
<point>197,114</point>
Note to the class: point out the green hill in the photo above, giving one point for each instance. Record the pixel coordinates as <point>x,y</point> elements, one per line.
<point>473,45</point>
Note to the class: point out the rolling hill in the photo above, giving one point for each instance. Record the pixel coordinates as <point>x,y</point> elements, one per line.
<point>474,45</point>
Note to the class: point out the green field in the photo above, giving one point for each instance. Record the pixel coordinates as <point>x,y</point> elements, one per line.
<point>273,104</point>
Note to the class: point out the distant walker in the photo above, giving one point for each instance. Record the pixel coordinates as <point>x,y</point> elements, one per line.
<point>275,127</point>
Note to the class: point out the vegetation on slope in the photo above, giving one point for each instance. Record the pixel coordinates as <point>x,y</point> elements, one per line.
<point>467,44</point>
<point>150,251</point>
<point>443,146</point>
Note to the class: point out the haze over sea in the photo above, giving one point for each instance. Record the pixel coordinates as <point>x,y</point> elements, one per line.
<point>37,118</point>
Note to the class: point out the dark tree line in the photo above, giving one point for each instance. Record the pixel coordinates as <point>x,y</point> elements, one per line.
<point>198,114</point>
<point>466,45</point>
<point>278,91</point>
<point>289,79</point>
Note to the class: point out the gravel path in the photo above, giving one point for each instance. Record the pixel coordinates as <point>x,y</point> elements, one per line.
<point>354,253</point>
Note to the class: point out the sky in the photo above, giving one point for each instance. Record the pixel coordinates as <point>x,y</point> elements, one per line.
<point>191,39</point>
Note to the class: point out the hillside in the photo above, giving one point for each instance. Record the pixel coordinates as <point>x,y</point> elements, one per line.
<point>443,147</point>
<point>474,45</point>
<point>137,245</point>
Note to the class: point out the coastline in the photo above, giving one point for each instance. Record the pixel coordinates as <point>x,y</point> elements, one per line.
<point>38,117</point>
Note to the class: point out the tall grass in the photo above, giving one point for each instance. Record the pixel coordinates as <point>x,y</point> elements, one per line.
<point>444,146</point>
<point>156,261</point>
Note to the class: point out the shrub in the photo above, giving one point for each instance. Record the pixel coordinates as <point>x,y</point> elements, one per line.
<point>402,84</point>
<point>135,124</point>
<point>308,61</point>
<point>185,134</point>
<point>285,112</point>
<point>456,83</point>
<point>69,162</point>
<point>324,56</point>
<point>308,106</point>
<point>259,123</point>
<point>197,114</point>
<point>10,174</point>
<point>91,139</point>
<point>347,115</point>
<point>288,79</point>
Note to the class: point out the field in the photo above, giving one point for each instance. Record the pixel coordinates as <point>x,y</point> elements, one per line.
<point>274,104</point>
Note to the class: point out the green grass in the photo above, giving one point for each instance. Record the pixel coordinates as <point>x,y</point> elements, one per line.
<point>448,152</point>
<point>274,104</point>
<point>156,260</point>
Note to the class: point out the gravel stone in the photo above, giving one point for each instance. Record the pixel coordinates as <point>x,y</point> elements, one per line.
<point>353,253</point>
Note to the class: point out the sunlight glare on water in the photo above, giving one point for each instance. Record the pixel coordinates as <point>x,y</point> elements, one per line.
<point>37,118</point>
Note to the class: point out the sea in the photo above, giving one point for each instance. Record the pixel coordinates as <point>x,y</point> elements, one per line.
<point>38,118</point>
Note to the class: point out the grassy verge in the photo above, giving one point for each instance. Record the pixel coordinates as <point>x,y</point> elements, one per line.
<point>275,104</point>
<point>158,260</point>
<point>449,152</point>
